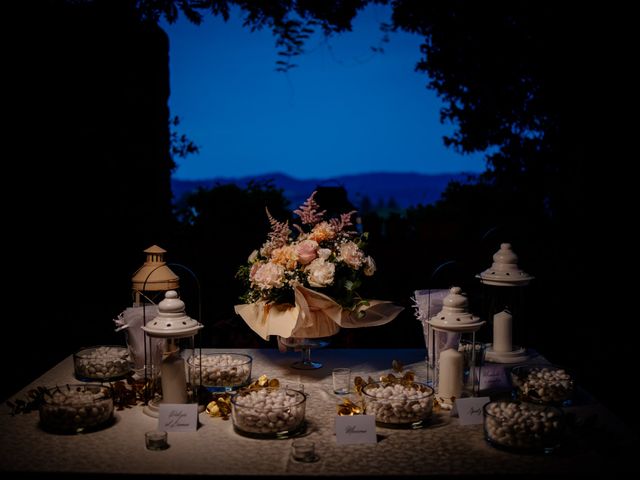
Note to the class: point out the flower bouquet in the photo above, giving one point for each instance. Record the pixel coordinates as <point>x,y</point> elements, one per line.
<point>303,283</point>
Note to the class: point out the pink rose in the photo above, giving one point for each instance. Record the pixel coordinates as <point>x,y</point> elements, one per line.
<point>254,269</point>
<point>307,251</point>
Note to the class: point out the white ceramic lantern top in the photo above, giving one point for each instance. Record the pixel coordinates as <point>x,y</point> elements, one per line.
<point>172,321</point>
<point>455,315</point>
<point>505,271</point>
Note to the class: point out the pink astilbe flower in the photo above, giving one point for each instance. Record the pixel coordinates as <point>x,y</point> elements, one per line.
<point>339,224</point>
<point>308,211</point>
<point>278,236</point>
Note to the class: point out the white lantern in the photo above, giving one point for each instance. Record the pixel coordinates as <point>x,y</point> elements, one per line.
<point>177,332</point>
<point>455,350</point>
<point>502,290</point>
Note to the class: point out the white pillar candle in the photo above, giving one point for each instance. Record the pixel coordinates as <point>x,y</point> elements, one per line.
<point>502,324</point>
<point>174,380</point>
<point>450,376</point>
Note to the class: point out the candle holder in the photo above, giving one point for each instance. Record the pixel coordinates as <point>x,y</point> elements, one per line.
<point>156,440</point>
<point>429,301</point>
<point>168,382</point>
<point>148,285</point>
<point>454,338</point>
<point>502,290</point>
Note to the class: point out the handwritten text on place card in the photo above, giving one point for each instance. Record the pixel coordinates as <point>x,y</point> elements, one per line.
<point>178,417</point>
<point>355,429</point>
<point>470,410</point>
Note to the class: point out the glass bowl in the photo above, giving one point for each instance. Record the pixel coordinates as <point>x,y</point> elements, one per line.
<point>269,412</point>
<point>398,405</point>
<point>220,371</point>
<point>523,427</point>
<point>542,384</point>
<point>102,362</point>
<point>76,408</point>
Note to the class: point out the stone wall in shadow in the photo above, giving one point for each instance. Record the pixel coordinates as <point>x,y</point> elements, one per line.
<point>90,171</point>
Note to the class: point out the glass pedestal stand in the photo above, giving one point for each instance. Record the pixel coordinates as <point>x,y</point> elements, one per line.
<point>305,345</point>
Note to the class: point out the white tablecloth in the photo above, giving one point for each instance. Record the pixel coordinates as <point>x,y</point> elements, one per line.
<point>445,447</point>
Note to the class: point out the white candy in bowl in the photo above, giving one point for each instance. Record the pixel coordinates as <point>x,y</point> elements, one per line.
<point>76,408</point>
<point>103,362</point>
<point>220,371</point>
<point>268,412</point>
<point>398,405</point>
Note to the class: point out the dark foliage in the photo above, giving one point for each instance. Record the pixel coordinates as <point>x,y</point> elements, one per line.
<point>540,86</point>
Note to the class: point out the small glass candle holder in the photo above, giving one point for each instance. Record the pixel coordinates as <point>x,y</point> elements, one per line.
<point>304,451</point>
<point>341,380</point>
<point>156,440</point>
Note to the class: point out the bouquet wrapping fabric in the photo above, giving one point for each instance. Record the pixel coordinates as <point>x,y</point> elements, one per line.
<point>314,315</point>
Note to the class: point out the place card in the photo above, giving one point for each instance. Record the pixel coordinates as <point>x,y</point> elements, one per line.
<point>469,410</point>
<point>493,377</point>
<point>178,417</point>
<point>351,429</point>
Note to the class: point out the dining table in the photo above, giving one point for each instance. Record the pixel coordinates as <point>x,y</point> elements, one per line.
<point>594,441</point>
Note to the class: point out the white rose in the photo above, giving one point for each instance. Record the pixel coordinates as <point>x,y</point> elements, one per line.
<point>253,257</point>
<point>324,253</point>
<point>269,275</point>
<point>320,273</point>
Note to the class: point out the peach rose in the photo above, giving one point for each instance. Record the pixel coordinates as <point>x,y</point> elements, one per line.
<point>322,231</point>
<point>350,254</point>
<point>285,256</point>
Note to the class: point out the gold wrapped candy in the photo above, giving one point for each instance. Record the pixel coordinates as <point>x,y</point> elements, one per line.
<point>263,381</point>
<point>220,406</point>
<point>347,407</point>
<point>406,379</point>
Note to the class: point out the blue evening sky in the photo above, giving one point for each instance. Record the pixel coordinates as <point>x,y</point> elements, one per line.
<point>343,110</point>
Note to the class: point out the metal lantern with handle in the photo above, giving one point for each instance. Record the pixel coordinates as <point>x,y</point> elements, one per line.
<point>153,278</point>
<point>148,285</point>
<point>456,353</point>
<point>169,376</point>
<point>503,294</point>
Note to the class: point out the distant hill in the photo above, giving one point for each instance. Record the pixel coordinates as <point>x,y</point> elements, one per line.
<point>403,189</point>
